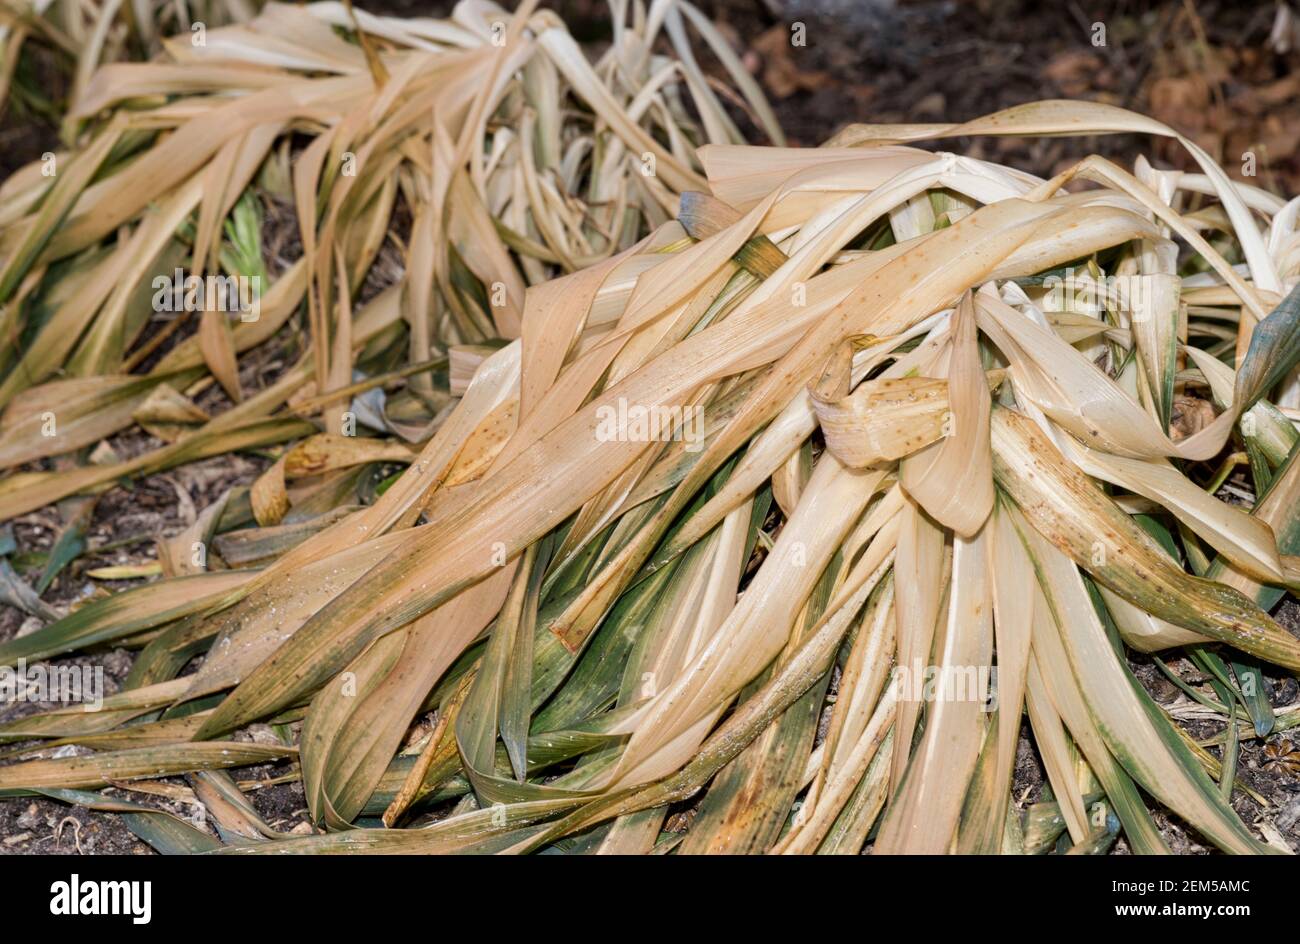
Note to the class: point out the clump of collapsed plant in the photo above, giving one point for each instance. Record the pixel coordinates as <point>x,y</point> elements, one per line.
<point>692,432</point>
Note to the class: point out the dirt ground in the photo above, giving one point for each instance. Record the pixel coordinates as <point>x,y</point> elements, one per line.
<point>1218,72</point>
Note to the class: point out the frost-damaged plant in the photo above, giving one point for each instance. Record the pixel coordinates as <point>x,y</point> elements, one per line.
<point>514,156</point>
<point>938,400</point>
<point>83,34</point>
